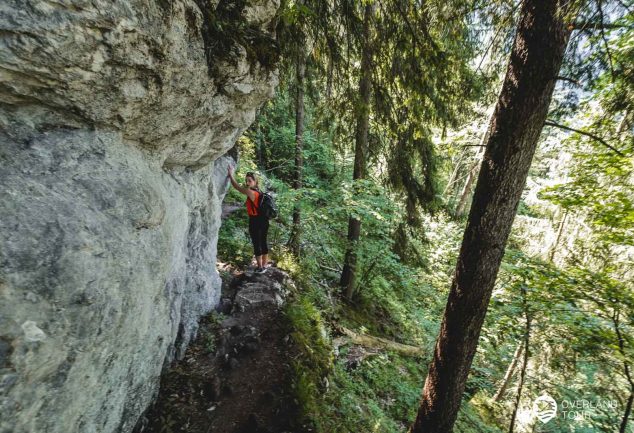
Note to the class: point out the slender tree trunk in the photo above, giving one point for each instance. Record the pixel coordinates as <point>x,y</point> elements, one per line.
<point>519,117</point>
<point>628,412</point>
<point>348,275</point>
<point>258,147</point>
<point>626,370</point>
<point>473,172</point>
<point>520,386</point>
<point>454,174</point>
<point>560,230</point>
<point>294,240</point>
<point>509,372</point>
<point>466,189</point>
<point>622,125</point>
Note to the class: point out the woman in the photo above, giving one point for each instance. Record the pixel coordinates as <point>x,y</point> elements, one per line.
<point>258,224</point>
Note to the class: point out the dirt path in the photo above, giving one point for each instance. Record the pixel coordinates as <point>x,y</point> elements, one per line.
<point>236,377</point>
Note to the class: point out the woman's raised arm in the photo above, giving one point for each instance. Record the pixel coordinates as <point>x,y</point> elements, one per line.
<point>246,191</point>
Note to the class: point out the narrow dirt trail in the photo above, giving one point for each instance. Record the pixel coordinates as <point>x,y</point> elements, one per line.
<point>237,376</point>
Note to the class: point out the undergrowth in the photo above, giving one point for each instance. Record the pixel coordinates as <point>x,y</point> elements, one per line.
<point>399,300</point>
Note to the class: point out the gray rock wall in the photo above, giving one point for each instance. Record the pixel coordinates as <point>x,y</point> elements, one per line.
<point>114,119</point>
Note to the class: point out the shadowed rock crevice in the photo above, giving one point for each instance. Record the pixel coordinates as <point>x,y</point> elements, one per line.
<point>226,33</point>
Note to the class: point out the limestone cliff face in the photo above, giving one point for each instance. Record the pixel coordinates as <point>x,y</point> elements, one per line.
<point>114,119</point>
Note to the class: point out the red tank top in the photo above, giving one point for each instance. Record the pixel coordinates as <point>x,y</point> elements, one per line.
<point>252,208</point>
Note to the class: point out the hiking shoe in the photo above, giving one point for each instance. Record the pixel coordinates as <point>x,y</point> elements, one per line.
<point>260,270</point>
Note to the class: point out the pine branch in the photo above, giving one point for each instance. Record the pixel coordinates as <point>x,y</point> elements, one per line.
<point>570,80</point>
<point>581,25</point>
<point>605,41</point>
<point>587,134</point>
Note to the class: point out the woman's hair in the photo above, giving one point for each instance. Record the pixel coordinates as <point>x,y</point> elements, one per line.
<point>252,176</point>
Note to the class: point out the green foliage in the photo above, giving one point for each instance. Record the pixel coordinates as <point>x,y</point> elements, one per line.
<point>612,219</point>
<point>210,343</point>
<point>310,334</point>
<point>225,30</point>
<point>407,257</point>
<point>168,424</point>
<point>606,196</point>
<point>216,318</point>
<point>573,312</point>
<point>315,363</point>
<point>381,395</point>
<point>234,244</point>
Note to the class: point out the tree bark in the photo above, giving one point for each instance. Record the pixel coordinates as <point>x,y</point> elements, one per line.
<point>509,373</point>
<point>294,241</point>
<point>348,275</point>
<point>329,75</point>
<point>519,117</point>
<point>520,385</point>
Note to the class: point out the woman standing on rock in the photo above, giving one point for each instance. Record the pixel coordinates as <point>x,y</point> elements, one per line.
<point>258,224</point>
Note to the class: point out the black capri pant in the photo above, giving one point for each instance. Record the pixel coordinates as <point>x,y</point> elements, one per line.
<point>258,229</point>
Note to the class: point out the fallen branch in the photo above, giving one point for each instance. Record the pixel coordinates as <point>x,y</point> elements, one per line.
<point>376,343</point>
<point>356,354</point>
<point>328,268</point>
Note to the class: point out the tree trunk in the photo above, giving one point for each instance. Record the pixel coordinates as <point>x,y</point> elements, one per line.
<point>622,126</point>
<point>626,370</point>
<point>259,144</point>
<point>294,241</point>
<point>454,173</point>
<point>468,186</point>
<point>560,230</point>
<point>520,386</point>
<point>509,373</point>
<point>466,189</point>
<point>348,275</point>
<point>628,412</point>
<point>519,117</point>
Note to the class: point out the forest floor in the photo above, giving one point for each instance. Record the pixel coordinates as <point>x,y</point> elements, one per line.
<point>237,376</point>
